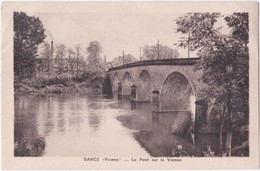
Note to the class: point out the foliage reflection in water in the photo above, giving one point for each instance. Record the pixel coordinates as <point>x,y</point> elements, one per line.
<point>80,125</point>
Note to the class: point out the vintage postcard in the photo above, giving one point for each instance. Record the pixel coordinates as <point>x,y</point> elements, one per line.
<point>130,85</point>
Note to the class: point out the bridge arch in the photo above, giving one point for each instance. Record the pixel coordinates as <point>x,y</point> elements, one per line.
<point>177,94</point>
<point>145,86</point>
<point>172,79</point>
<point>115,82</point>
<point>127,83</point>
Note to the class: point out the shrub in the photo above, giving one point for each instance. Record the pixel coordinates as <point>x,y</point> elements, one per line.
<point>54,89</point>
<point>45,80</point>
<point>64,79</point>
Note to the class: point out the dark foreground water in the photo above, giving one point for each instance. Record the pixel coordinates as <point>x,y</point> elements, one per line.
<point>80,125</point>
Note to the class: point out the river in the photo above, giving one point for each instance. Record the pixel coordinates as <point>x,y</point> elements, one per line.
<point>81,125</point>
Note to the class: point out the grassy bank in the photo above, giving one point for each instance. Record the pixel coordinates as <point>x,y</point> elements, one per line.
<point>58,84</point>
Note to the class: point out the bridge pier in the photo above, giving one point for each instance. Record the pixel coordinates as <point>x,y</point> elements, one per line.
<point>155,101</point>
<point>200,113</point>
<point>133,93</point>
<point>106,87</point>
<point>119,90</point>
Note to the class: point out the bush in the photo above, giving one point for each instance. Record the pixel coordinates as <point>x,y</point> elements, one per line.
<point>64,79</point>
<point>54,89</point>
<point>45,80</point>
<point>62,83</point>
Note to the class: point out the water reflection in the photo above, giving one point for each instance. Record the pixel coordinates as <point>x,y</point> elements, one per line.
<point>48,119</point>
<point>155,130</point>
<point>61,119</point>
<point>133,105</point>
<point>80,125</point>
<point>94,120</point>
<point>28,140</point>
<point>68,125</point>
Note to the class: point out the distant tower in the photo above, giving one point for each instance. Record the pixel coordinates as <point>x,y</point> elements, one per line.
<point>51,49</point>
<point>158,50</point>
<point>50,62</point>
<point>140,53</point>
<point>189,44</point>
<point>105,58</point>
<point>123,58</point>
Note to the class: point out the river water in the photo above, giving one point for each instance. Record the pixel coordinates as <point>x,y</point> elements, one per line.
<point>81,125</point>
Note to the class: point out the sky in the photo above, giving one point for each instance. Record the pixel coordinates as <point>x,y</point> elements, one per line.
<point>115,30</point>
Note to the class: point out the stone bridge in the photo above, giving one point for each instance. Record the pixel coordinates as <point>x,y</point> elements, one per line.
<point>170,84</point>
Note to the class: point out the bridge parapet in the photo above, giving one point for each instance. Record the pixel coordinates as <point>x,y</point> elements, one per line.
<point>177,61</point>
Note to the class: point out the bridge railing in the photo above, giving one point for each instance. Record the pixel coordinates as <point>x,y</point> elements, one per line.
<point>177,61</point>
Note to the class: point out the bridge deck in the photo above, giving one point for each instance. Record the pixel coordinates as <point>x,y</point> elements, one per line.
<point>177,61</point>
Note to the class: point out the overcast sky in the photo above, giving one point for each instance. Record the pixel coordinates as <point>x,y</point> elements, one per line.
<point>116,31</point>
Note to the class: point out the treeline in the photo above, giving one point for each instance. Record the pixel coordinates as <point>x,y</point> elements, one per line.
<point>120,60</point>
<point>61,60</point>
<point>149,53</point>
<point>46,68</point>
<point>159,52</point>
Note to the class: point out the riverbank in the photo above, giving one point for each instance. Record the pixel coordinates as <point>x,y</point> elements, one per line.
<point>57,89</point>
<point>58,84</point>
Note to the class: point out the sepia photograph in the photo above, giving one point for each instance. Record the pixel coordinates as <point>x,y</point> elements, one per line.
<point>117,82</point>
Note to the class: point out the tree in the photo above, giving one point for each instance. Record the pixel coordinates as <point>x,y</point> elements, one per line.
<point>238,22</point>
<point>78,54</point>
<point>117,61</point>
<point>60,54</point>
<point>28,34</point>
<point>94,62</point>
<point>94,49</point>
<point>199,29</point>
<point>95,68</point>
<point>129,59</point>
<point>45,57</point>
<point>71,61</point>
<point>165,52</point>
<point>224,60</point>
